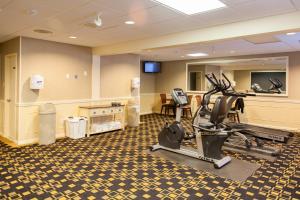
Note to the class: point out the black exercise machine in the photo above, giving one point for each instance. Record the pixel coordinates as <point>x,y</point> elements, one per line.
<point>238,139</point>
<point>209,140</point>
<point>275,87</point>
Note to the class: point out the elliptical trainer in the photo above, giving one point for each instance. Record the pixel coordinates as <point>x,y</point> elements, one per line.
<point>240,139</point>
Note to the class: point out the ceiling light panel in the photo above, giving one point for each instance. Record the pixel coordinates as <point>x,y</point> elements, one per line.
<point>191,7</point>
<point>197,54</point>
<point>291,33</point>
<point>130,22</point>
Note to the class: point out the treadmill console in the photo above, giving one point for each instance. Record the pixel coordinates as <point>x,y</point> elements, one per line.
<point>179,97</point>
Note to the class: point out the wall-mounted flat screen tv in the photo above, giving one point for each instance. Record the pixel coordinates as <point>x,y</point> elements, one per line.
<point>151,66</point>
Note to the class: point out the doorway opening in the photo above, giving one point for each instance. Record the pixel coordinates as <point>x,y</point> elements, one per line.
<point>10,97</point>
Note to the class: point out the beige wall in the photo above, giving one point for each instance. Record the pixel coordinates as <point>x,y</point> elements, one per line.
<point>1,116</point>
<point>242,79</point>
<point>147,97</point>
<point>173,74</point>
<point>116,73</point>
<point>148,82</point>
<point>54,61</point>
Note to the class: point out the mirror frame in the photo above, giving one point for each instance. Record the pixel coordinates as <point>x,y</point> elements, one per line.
<point>218,61</point>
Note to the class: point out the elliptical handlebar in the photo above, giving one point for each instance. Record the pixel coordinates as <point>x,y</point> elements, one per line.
<point>228,81</point>
<point>277,83</point>
<point>221,86</point>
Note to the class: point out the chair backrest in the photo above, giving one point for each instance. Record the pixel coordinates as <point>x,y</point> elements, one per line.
<point>219,111</point>
<point>190,99</point>
<point>198,99</point>
<point>163,98</point>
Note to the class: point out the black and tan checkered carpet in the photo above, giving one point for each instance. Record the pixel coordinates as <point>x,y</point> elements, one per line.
<point>116,166</point>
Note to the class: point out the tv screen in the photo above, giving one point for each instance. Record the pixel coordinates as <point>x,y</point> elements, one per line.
<point>151,67</point>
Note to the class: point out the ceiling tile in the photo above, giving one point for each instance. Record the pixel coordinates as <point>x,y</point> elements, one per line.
<point>127,6</point>
<point>291,40</point>
<point>296,3</point>
<point>66,17</point>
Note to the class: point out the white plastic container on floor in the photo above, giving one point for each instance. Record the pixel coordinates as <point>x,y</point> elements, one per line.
<point>76,127</point>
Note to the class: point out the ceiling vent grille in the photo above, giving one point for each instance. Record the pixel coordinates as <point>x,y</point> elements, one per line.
<point>265,39</point>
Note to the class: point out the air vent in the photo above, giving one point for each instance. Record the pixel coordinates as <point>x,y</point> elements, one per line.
<point>264,39</point>
<point>42,31</point>
<point>91,25</point>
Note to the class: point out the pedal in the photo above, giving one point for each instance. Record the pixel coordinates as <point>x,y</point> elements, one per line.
<point>259,142</point>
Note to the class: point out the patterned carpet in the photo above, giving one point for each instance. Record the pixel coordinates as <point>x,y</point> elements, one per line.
<point>116,166</point>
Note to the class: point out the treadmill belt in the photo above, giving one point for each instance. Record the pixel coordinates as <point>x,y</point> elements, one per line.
<point>263,132</point>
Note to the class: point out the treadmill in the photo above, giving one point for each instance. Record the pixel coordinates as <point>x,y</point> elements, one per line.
<point>260,131</point>
<point>264,132</point>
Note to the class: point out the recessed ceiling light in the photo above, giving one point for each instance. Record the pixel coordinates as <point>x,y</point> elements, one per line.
<point>197,54</point>
<point>43,31</point>
<point>192,6</point>
<point>182,56</point>
<point>129,22</point>
<point>72,37</point>
<point>291,33</point>
<point>232,51</point>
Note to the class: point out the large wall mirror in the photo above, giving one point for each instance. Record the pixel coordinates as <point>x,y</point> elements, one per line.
<point>263,76</point>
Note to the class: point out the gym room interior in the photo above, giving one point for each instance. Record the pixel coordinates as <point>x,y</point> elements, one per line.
<point>149,99</point>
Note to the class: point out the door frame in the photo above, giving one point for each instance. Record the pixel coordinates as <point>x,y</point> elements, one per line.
<point>7,127</point>
<point>189,83</point>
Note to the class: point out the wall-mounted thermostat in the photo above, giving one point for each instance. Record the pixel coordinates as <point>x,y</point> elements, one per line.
<point>36,82</point>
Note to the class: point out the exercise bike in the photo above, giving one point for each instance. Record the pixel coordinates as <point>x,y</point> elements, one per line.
<point>275,87</point>
<point>209,139</point>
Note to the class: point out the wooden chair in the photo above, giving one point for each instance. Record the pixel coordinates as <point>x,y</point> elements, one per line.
<point>199,100</point>
<point>165,105</point>
<point>234,114</point>
<point>188,109</point>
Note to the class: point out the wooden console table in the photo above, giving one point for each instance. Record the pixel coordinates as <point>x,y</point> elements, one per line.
<point>93,112</point>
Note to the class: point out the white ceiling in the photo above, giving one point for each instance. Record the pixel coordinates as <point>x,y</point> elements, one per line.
<point>287,43</point>
<point>67,17</point>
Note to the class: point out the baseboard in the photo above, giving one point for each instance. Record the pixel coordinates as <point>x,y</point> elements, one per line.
<point>149,113</point>
<point>28,141</point>
<point>36,140</point>
<point>146,113</point>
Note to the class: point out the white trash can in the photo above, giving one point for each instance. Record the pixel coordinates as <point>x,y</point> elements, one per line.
<point>47,124</point>
<point>76,127</point>
<point>133,115</point>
